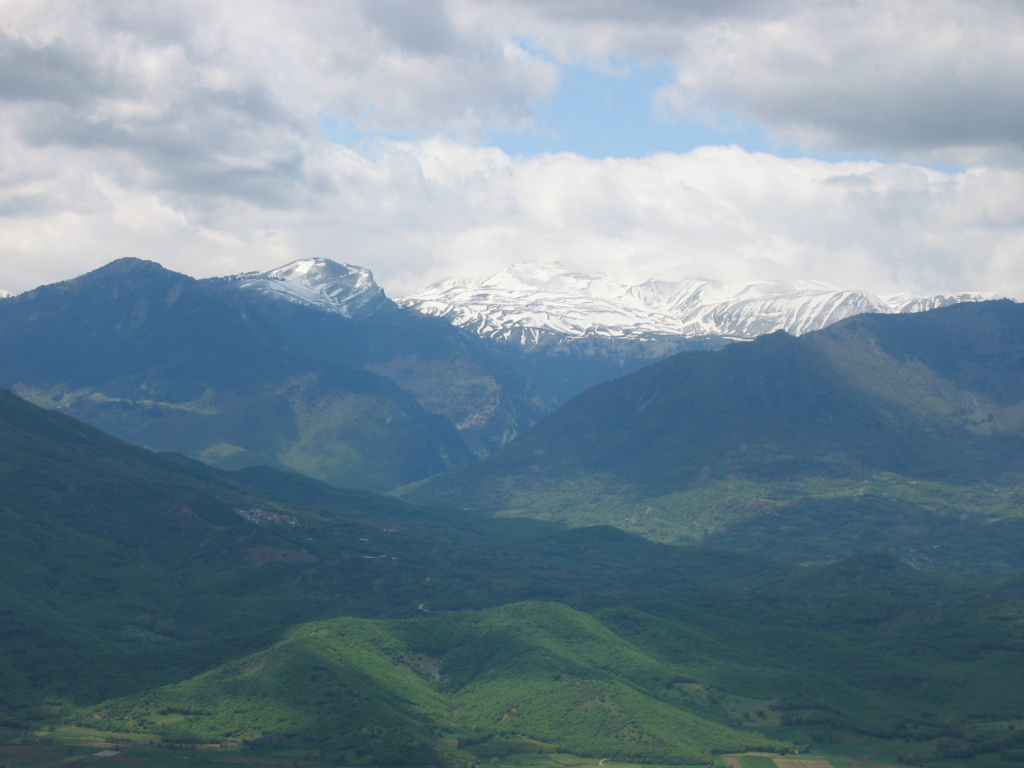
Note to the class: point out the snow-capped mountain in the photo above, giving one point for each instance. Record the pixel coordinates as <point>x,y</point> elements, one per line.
<point>530,304</point>
<point>5,294</point>
<point>909,302</point>
<point>328,285</point>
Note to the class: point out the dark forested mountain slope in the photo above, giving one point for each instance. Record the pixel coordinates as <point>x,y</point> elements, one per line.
<point>237,378</point>
<point>120,567</point>
<point>449,372</point>
<point>881,431</point>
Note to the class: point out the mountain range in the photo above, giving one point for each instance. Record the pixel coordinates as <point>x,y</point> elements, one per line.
<point>533,305</point>
<point>855,493</point>
<point>312,367</point>
<point>237,372</point>
<point>567,331</point>
<point>894,432</point>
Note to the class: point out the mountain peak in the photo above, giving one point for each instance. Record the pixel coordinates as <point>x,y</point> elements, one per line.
<point>119,275</point>
<point>127,265</point>
<point>551,277</point>
<point>5,294</point>
<point>328,285</point>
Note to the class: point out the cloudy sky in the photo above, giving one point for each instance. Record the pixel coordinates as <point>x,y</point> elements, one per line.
<point>868,144</point>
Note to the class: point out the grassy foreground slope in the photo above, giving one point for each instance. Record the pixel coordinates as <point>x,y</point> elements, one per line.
<point>388,690</point>
<point>672,678</point>
<point>901,433</point>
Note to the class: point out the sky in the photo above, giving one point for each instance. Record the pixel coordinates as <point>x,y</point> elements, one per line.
<point>867,144</point>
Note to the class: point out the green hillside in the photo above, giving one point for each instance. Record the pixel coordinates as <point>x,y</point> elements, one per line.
<point>389,689</point>
<point>672,678</point>
<point>899,433</point>
<point>121,569</point>
<point>143,596</point>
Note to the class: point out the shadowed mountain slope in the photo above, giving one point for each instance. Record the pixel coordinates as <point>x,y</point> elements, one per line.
<point>120,567</point>
<point>333,312</point>
<point>879,432</point>
<point>239,378</point>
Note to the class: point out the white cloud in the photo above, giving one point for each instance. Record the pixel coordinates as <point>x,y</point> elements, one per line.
<point>226,98</point>
<point>194,133</point>
<point>419,211</point>
<point>727,213</point>
<point>935,81</point>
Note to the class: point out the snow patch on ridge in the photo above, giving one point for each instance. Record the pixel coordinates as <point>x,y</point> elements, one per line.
<point>5,294</point>
<point>529,302</point>
<point>909,302</point>
<point>327,285</point>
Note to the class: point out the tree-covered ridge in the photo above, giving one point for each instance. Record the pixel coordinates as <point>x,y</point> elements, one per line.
<point>670,678</point>
<point>537,670</point>
<point>121,568</point>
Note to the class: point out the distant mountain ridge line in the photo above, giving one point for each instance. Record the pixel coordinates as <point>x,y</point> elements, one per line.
<point>565,331</point>
<point>531,301</point>
<point>528,301</point>
<point>238,377</point>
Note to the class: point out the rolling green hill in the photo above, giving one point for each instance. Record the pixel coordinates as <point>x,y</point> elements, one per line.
<point>898,433</point>
<point>120,568</point>
<point>537,670</point>
<point>670,678</point>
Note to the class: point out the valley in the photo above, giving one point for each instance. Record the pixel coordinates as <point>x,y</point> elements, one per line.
<point>209,755</point>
